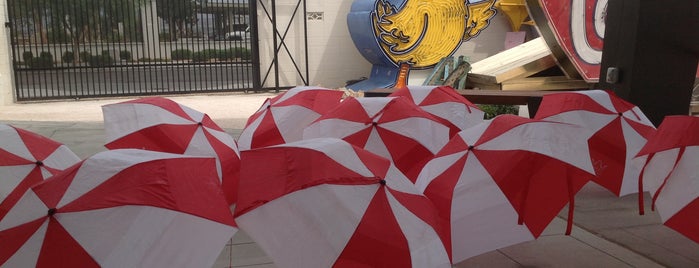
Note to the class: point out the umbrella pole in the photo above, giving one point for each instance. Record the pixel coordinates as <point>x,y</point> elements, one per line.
<point>641,206</point>
<point>520,219</point>
<point>571,207</point>
<point>230,253</point>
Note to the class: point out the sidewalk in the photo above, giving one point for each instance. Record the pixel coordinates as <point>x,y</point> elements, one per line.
<point>608,231</point>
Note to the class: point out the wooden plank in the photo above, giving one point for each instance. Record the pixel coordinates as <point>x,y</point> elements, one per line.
<point>518,62</point>
<point>514,72</point>
<point>544,83</point>
<point>481,86</point>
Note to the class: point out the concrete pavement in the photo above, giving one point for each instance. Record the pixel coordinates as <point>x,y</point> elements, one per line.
<point>608,231</point>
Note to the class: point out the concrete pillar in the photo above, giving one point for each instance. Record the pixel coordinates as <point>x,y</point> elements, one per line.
<point>6,77</point>
<point>151,30</point>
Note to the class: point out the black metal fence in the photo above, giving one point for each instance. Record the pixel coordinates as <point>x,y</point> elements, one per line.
<point>66,49</point>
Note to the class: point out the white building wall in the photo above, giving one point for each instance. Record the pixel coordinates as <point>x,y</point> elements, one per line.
<point>5,58</point>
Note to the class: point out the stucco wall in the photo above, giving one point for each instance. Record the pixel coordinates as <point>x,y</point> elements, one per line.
<point>332,57</point>
<point>5,58</point>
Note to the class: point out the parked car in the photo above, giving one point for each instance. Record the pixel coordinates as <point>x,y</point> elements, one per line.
<point>238,35</point>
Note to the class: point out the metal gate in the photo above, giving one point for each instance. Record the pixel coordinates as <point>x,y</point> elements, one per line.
<point>69,49</point>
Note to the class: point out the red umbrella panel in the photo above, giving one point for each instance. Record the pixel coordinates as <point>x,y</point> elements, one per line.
<point>620,129</point>
<point>392,127</point>
<point>502,182</point>
<point>445,103</point>
<point>671,173</point>
<point>325,203</point>
<point>121,208</point>
<point>27,158</point>
<point>281,119</point>
<point>160,124</point>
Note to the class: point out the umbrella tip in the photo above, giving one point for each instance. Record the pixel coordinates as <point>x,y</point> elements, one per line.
<point>199,123</point>
<point>52,212</point>
<point>470,148</point>
<point>39,163</point>
<point>382,182</point>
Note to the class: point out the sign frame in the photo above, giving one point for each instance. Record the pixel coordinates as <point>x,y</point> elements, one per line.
<point>574,31</point>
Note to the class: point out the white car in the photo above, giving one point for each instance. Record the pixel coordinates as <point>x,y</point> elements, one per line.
<point>238,35</point>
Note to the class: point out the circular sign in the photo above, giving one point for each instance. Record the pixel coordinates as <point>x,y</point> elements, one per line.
<point>577,27</point>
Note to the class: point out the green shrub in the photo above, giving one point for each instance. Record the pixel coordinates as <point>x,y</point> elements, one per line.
<point>492,110</point>
<point>27,56</point>
<point>181,54</point>
<point>242,53</point>
<point>101,60</point>
<point>68,57</point>
<point>125,55</point>
<point>145,59</point>
<point>226,54</point>
<point>212,53</point>
<point>45,60</point>
<point>85,56</point>
<point>200,56</point>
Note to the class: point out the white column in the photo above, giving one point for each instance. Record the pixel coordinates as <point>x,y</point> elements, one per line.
<point>151,30</point>
<point>6,84</point>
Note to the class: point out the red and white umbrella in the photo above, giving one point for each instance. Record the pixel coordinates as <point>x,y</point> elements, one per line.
<point>121,208</point>
<point>326,203</point>
<point>281,119</point>
<point>27,158</point>
<point>502,182</point>
<point>163,125</point>
<point>672,173</point>
<point>443,102</point>
<point>619,128</point>
<point>392,127</point>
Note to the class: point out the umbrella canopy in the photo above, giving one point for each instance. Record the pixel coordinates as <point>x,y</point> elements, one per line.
<point>619,130</point>
<point>392,127</point>
<point>672,173</point>
<point>445,103</point>
<point>503,181</point>
<point>281,119</point>
<point>163,125</point>
<point>27,158</point>
<point>121,208</point>
<point>326,203</point>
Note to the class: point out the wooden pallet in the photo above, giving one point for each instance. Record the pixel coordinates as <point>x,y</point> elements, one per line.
<point>512,69</point>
